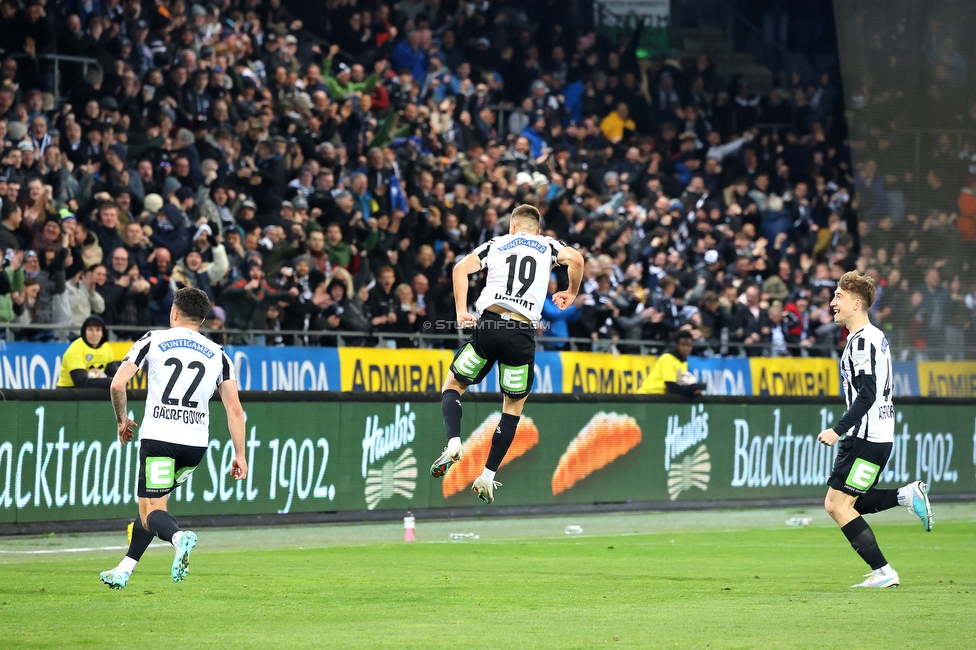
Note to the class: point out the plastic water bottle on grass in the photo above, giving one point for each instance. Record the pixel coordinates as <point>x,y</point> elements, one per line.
<point>799,522</point>
<point>462,536</point>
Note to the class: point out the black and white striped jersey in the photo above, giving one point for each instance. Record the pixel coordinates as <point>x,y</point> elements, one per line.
<point>865,368</point>
<point>518,272</point>
<point>184,370</point>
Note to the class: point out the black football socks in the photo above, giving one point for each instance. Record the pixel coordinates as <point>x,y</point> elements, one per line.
<point>163,525</point>
<point>861,537</point>
<point>141,539</point>
<point>451,410</point>
<point>501,440</point>
<point>875,500</point>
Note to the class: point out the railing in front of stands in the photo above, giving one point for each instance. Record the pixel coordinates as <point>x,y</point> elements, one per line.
<point>451,338</point>
<point>58,60</point>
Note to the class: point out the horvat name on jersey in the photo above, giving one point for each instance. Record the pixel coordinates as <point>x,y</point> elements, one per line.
<point>518,272</point>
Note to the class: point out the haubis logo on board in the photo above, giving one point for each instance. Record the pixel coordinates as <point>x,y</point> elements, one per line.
<point>694,470</point>
<point>393,476</point>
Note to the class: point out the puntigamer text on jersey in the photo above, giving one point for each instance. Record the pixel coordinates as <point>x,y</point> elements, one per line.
<point>196,346</point>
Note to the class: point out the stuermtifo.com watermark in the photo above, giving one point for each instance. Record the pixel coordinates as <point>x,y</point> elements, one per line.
<point>443,325</point>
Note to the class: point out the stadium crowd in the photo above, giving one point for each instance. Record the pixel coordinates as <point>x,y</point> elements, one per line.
<point>327,185</point>
<point>912,123</point>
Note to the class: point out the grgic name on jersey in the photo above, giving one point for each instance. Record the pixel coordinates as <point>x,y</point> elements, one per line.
<point>185,416</point>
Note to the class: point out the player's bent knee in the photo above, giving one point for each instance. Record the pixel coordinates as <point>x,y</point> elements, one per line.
<point>513,406</point>
<point>147,506</point>
<point>451,383</point>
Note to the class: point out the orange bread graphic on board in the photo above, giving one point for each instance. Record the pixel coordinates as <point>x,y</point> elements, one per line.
<point>463,472</point>
<point>606,437</point>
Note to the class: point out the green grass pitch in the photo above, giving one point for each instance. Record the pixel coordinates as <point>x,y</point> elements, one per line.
<point>731,579</point>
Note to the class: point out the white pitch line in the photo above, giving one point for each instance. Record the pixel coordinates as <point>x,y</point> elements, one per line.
<point>81,549</point>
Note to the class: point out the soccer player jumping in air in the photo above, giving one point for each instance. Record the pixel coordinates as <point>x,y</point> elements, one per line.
<point>511,306</point>
<point>866,432</point>
<point>184,370</point>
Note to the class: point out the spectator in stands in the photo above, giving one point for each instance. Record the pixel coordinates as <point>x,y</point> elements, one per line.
<point>554,320</point>
<point>801,325</point>
<point>189,272</point>
<point>412,165</point>
<point>50,306</point>
<point>663,318</point>
<point>11,287</point>
<point>25,306</point>
<point>338,252</point>
<point>169,231</point>
<point>383,307</point>
<point>344,315</point>
<point>83,297</point>
<point>932,309</point>
<point>408,321</point>
<point>10,219</point>
<point>780,324</point>
<point>246,302</point>
<point>160,286</point>
<point>276,249</point>
<point>754,322</point>
<point>137,245</point>
<point>105,227</point>
<point>317,252</point>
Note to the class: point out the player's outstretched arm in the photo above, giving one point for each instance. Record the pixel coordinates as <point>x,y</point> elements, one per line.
<point>470,264</point>
<point>235,426</point>
<point>569,257</point>
<point>126,426</point>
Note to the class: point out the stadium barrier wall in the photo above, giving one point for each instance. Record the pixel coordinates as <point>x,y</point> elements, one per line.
<point>329,452</point>
<point>37,365</point>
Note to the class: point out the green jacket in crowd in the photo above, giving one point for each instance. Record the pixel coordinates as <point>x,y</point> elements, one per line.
<point>338,91</point>
<point>14,281</point>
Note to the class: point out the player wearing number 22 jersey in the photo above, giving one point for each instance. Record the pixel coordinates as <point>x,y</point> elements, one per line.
<point>866,433</point>
<point>510,307</point>
<point>184,368</point>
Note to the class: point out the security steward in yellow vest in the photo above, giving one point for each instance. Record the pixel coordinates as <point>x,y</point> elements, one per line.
<point>88,362</point>
<point>668,370</point>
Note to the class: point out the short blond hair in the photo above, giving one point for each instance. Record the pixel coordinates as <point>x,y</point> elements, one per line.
<point>860,286</point>
<point>527,216</point>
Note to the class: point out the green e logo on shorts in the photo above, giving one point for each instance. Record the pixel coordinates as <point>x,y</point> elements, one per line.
<point>159,472</point>
<point>468,363</point>
<point>862,474</point>
<point>513,379</point>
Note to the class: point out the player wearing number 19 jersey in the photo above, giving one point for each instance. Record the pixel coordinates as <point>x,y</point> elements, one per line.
<point>518,266</point>
<point>184,369</point>
<point>866,431</point>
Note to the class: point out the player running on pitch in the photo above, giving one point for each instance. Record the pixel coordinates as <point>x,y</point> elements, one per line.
<point>184,369</point>
<point>868,428</point>
<point>511,306</point>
